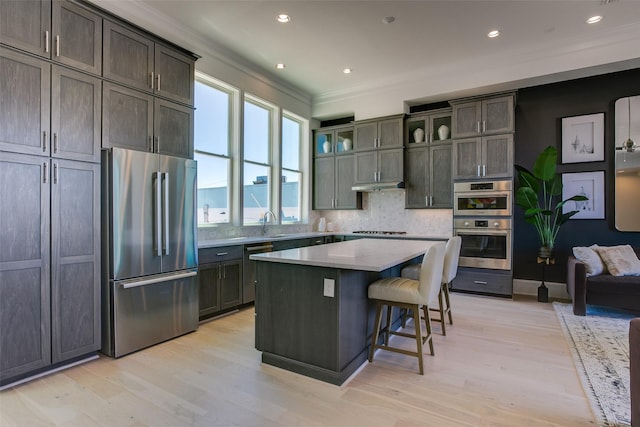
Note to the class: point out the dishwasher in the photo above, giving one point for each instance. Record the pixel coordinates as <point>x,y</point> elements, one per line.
<point>249,268</point>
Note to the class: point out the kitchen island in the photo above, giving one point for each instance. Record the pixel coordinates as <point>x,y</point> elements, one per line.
<point>313,315</point>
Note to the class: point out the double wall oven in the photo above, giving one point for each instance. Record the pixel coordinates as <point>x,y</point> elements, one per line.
<point>483,218</point>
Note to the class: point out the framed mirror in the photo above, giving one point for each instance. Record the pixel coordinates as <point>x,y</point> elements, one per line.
<point>627,164</point>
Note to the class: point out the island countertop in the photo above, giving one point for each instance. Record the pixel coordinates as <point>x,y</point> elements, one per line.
<point>362,254</point>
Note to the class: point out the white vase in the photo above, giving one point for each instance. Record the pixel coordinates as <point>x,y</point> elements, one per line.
<point>326,147</point>
<point>346,144</point>
<point>443,132</point>
<point>418,135</point>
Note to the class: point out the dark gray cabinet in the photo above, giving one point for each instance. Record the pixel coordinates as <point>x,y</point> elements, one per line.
<point>139,121</point>
<point>25,325</point>
<point>75,259</point>
<point>25,107</point>
<point>48,110</point>
<point>379,166</point>
<point>63,31</point>
<point>483,117</point>
<point>76,37</point>
<point>428,127</point>
<point>333,178</point>
<point>173,128</point>
<point>76,101</point>
<point>135,60</point>
<point>332,140</point>
<point>380,133</point>
<point>428,176</point>
<point>219,279</point>
<point>483,157</point>
<point>49,262</point>
<point>26,25</point>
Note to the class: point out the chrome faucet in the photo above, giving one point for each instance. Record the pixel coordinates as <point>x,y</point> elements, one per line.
<point>265,218</point>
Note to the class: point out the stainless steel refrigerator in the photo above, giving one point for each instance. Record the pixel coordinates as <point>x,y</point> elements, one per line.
<point>150,291</point>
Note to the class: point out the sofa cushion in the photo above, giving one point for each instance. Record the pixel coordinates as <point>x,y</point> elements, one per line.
<point>606,283</point>
<point>620,260</point>
<point>590,258</point>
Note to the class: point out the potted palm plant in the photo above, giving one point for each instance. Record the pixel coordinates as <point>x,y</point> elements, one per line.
<point>539,194</point>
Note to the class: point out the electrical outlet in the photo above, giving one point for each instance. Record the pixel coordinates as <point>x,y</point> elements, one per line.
<point>329,287</point>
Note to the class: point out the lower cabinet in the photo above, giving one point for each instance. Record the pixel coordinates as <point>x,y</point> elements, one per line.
<point>49,263</point>
<point>219,279</point>
<point>484,281</point>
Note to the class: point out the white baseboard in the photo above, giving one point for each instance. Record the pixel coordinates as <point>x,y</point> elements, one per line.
<point>530,287</point>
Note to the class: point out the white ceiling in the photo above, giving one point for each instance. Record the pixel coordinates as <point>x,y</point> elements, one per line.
<point>428,38</point>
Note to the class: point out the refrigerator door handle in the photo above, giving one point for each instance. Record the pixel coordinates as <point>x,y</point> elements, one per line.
<point>139,283</point>
<point>165,212</point>
<point>158,219</point>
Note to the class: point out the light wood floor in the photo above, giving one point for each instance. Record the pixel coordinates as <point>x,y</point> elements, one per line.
<point>502,363</point>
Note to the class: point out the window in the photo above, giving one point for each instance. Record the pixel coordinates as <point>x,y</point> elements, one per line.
<point>240,180</point>
<point>212,143</point>
<point>257,145</point>
<point>291,188</point>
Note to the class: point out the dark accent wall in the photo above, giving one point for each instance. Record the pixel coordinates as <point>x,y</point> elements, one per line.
<point>539,114</point>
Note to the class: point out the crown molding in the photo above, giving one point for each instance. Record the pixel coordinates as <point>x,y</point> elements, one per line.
<point>146,17</point>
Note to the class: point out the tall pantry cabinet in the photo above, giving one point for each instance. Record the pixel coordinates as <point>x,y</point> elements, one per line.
<point>52,96</point>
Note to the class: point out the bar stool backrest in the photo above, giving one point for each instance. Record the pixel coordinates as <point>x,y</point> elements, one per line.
<point>431,272</point>
<point>451,257</point>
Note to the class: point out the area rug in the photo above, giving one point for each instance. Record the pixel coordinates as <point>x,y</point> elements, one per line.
<point>599,344</point>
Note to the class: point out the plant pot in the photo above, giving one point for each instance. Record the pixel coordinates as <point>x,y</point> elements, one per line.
<point>545,252</point>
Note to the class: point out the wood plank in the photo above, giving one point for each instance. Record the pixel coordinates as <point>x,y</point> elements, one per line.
<point>502,363</point>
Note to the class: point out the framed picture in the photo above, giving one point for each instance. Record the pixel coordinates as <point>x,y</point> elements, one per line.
<point>589,184</point>
<point>583,138</point>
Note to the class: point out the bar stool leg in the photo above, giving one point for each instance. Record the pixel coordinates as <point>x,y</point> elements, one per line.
<point>442,321</point>
<point>376,330</point>
<point>416,322</point>
<point>427,321</point>
<point>388,328</point>
<point>445,286</point>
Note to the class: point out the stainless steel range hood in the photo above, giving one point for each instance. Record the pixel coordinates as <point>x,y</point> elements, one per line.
<point>379,186</point>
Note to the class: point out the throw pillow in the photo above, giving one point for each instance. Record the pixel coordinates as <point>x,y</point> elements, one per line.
<point>590,258</point>
<point>620,260</point>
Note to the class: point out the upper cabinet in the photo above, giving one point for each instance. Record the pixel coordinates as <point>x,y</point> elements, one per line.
<point>333,140</point>
<point>26,25</point>
<point>62,31</point>
<point>132,59</point>
<point>25,107</point>
<point>483,157</point>
<point>432,126</point>
<point>483,117</point>
<point>380,133</point>
<point>333,169</point>
<point>138,121</point>
<point>77,37</point>
<point>48,110</point>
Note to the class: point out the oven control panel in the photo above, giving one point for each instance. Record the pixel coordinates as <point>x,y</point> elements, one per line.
<point>482,223</point>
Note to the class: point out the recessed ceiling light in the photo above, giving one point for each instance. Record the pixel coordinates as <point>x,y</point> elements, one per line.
<point>347,71</point>
<point>280,66</point>
<point>388,19</point>
<point>283,17</point>
<point>594,19</point>
<point>494,33</point>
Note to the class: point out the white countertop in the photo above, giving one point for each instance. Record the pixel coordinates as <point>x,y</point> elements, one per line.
<point>362,254</point>
<point>289,236</point>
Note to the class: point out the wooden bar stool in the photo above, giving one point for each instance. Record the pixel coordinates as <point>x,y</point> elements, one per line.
<point>411,295</point>
<point>450,270</point>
